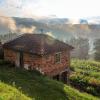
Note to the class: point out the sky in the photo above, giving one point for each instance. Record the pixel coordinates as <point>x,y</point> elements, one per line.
<point>60,8</point>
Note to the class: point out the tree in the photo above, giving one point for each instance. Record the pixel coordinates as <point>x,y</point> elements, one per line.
<point>97,50</point>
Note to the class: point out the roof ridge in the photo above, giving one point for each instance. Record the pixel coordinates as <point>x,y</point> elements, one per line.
<point>37,43</point>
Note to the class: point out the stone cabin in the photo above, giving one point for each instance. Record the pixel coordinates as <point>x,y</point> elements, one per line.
<point>41,52</point>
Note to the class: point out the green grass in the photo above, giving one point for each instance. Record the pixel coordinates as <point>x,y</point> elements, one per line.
<point>11,93</point>
<point>37,86</point>
<point>86,76</point>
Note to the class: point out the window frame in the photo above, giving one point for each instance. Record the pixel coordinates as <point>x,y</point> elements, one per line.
<point>55,58</point>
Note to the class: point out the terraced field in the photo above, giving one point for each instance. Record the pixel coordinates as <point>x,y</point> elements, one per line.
<point>85,76</point>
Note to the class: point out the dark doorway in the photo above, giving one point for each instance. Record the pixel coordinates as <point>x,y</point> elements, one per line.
<point>21,59</point>
<point>64,77</point>
<point>56,77</point>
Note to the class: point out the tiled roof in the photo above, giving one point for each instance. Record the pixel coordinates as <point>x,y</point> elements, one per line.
<point>37,44</point>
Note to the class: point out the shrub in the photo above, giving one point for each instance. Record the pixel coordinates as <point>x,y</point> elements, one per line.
<point>90,89</point>
<point>94,82</point>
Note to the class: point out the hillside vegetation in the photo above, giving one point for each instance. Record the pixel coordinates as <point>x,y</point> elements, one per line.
<point>8,92</point>
<point>35,85</point>
<point>86,76</point>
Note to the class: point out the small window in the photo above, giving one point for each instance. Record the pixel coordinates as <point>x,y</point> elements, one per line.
<point>58,57</point>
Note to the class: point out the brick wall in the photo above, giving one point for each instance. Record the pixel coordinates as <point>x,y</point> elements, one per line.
<point>53,68</point>
<point>9,55</point>
<point>45,63</point>
<point>32,60</point>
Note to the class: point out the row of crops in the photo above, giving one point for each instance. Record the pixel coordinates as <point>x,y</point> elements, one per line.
<point>85,75</point>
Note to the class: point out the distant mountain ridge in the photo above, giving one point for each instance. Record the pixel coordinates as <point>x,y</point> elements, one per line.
<point>53,20</point>
<point>62,28</point>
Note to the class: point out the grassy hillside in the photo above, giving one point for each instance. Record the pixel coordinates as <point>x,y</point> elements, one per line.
<point>34,85</point>
<point>10,93</point>
<point>86,76</point>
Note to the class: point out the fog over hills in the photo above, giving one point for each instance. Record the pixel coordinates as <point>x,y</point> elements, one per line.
<point>62,28</point>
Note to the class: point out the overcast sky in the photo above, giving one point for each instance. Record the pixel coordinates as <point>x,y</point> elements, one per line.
<point>59,8</point>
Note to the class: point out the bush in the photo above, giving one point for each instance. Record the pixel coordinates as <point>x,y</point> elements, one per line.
<point>93,90</point>
<point>90,90</point>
